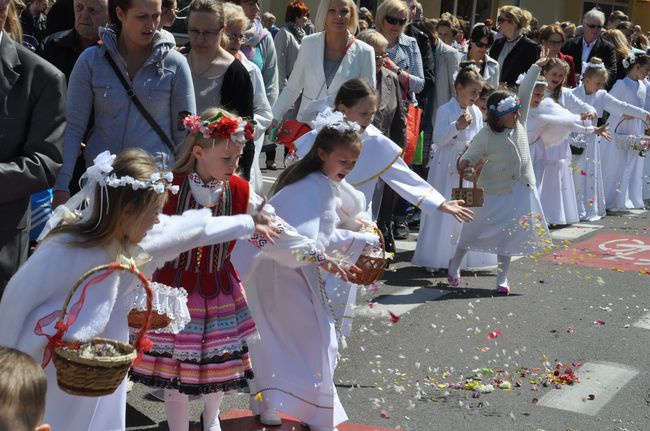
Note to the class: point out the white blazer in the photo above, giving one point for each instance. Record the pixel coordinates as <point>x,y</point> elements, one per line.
<point>308,74</point>
<point>491,71</point>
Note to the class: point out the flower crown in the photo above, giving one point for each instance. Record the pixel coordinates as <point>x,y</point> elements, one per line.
<point>103,166</point>
<point>335,120</point>
<point>628,62</point>
<point>506,106</point>
<point>238,130</point>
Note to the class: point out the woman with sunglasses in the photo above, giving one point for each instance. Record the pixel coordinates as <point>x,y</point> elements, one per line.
<point>404,58</point>
<point>552,39</point>
<point>327,59</point>
<point>219,78</point>
<point>481,40</point>
<point>514,52</point>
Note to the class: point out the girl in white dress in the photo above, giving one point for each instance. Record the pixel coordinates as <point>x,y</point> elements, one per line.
<point>457,122</point>
<point>555,179</point>
<point>587,175</point>
<point>622,167</point>
<point>122,222</point>
<point>295,360</point>
<point>511,222</point>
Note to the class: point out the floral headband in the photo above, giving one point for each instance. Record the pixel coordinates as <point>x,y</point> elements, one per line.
<point>238,130</point>
<point>506,106</point>
<point>335,120</point>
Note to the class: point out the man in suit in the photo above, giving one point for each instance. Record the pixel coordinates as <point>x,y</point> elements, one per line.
<point>32,120</point>
<point>582,49</point>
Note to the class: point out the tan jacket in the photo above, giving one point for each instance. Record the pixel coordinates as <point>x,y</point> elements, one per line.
<point>506,153</point>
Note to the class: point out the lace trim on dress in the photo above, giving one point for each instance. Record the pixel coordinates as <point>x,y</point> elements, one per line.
<point>169,301</point>
<point>239,385</point>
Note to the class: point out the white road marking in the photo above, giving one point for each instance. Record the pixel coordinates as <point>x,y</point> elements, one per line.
<point>600,379</point>
<point>643,322</point>
<point>405,245</point>
<point>268,180</point>
<point>574,232</point>
<point>401,302</point>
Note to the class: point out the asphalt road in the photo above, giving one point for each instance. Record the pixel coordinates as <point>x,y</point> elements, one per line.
<point>412,374</point>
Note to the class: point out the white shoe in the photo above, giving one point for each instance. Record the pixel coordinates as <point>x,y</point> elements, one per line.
<point>270,417</point>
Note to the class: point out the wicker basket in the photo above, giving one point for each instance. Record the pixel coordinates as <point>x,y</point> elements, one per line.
<point>158,321</point>
<point>625,142</point>
<point>372,268</point>
<point>93,377</point>
<point>473,197</point>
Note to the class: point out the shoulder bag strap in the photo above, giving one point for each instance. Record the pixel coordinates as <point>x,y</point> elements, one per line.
<point>132,96</point>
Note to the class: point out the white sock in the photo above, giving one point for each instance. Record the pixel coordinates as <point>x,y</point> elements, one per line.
<point>177,406</point>
<point>211,406</point>
<point>454,264</point>
<point>502,271</point>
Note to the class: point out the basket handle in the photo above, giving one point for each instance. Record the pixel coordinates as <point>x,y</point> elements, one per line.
<point>625,119</point>
<point>461,176</point>
<point>141,342</point>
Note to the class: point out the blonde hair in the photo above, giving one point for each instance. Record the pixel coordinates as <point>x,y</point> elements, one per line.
<point>373,38</point>
<point>619,40</point>
<point>233,15</point>
<point>386,8</point>
<point>23,385</point>
<point>12,23</point>
<point>520,16</point>
<point>590,72</point>
<point>108,212</point>
<point>186,159</point>
<point>211,6</point>
<point>321,16</point>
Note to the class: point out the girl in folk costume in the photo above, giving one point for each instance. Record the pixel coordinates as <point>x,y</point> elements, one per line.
<point>588,174</point>
<point>115,217</point>
<point>554,175</point>
<point>511,222</point>
<point>210,355</point>
<point>622,166</point>
<point>457,122</point>
<point>294,362</point>
<point>549,124</point>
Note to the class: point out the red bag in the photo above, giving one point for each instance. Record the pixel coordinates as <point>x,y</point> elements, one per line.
<point>413,123</point>
<point>289,132</point>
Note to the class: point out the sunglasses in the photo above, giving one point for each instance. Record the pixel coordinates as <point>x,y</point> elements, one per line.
<point>395,21</point>
<point>380,57</point>
<point>503,19</point>
<point>480,44</point>
<point>556,42</point>
<point>592,26</point>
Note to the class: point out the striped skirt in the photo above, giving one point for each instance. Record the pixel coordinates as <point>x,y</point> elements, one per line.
<point>211,353</point>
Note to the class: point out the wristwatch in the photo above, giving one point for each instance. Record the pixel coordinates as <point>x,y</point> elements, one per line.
<point>399,71</point>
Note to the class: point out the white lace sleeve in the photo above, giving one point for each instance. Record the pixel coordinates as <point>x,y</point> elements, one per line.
<point>168,301</point>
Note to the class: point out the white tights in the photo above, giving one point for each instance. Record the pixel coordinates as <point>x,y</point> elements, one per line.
<point>177,406</point>
<point>503,265</point>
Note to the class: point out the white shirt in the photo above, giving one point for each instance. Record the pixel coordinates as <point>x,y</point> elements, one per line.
<point>586,49</point>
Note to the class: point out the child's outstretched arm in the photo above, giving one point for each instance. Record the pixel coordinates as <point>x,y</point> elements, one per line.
<point>527,86</point>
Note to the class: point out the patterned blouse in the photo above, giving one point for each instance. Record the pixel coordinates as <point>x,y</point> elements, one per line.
<point>406,55</point>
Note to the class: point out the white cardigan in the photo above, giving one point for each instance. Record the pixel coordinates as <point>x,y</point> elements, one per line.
<point>308,74</point>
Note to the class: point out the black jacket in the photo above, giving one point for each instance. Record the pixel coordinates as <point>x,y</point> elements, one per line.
<point>428,64</point>
<point>602,49</point>
<point>34,26</point>
<point>62,49</point>
<point>523,55</point>
<point>32,121</point>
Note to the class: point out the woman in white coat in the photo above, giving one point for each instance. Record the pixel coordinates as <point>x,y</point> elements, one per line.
<point>327,59</point>
<point>481,40</point>
<point>588,175</point>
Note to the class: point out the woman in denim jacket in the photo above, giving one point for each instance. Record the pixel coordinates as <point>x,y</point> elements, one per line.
<point>157,73</point>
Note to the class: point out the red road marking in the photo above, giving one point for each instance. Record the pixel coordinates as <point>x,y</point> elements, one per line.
<point>608,251</point>
<point>243,420</point>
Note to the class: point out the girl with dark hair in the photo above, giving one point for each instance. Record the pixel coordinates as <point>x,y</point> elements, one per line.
<point>158,76</point>
<point>481,40</point>
<point>590,192</point>
<point>295,359</point>
<point>511,222</point>
<point>457,122</point>
<point>555,179</point>
<point>623,168</point>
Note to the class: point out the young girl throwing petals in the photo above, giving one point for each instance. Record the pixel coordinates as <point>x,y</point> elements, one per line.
<point>511,222</point>
<point>622,166</point>
<point>457,122</point>
<point>295,359</point>
<point>555,181</point>
<point>588,174</point>
<point>210,356</point>
<point>115,216</point>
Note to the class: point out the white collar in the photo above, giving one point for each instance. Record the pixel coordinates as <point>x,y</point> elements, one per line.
<point>206,194</point>
<point>588,45</point>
